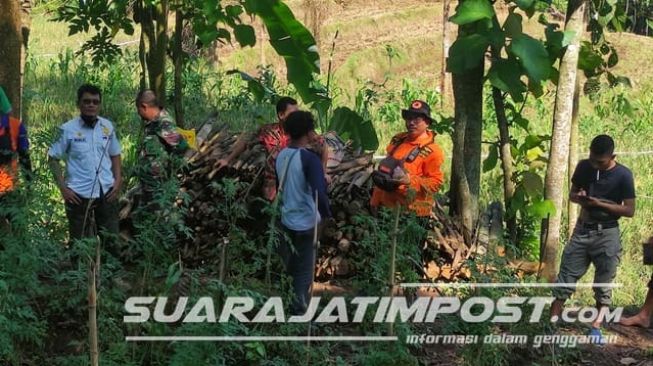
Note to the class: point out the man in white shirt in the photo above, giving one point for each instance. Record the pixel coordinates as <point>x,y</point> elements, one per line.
<point>93,178</point>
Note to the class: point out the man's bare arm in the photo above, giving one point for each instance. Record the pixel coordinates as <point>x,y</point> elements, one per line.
<point>627,209</point>
<point>575,193</point>
<point>116,169</point>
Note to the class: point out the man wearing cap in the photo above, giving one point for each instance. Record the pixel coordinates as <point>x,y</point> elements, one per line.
<point>13,149</point>
<point>93,179</point>
<point>418,160</point>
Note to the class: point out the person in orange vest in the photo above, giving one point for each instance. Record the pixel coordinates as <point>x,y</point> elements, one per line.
<point>14,147</point>
<point>410,175</point>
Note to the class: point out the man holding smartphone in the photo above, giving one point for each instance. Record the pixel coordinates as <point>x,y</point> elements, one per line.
<point>605,190</point>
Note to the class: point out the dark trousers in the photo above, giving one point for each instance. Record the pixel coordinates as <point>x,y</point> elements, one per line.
<point>590,246</point>
<point>298,257</point>
<point>80,224</point>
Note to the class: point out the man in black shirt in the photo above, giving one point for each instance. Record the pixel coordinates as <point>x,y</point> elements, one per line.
<point>605,190</point>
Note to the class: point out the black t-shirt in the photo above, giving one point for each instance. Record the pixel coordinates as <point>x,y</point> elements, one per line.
<point>616,185</point>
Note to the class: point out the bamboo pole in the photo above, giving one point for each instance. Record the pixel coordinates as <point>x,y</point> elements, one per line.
<point>316,245</point>
<point>393,258</point>
<point>92,315</point>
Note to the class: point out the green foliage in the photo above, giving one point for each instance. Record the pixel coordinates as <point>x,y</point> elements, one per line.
<point>384,355</point>
<point>256,86</point>
<point>527,58</point>
<point>470,11</point>
<point>207,19</point>
<point>288,36</point>
<point>502,76</point>
<point>533,56</point>
<point>294,43</point>
<point>42,299</point>
<point>467,52</point>
<point>373,252</point>
<point>350,125</point>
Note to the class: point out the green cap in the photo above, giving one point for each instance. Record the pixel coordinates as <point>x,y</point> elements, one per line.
<point>5,106</point>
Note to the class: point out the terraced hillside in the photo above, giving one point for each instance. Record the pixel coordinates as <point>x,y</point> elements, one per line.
<point>412,30</point>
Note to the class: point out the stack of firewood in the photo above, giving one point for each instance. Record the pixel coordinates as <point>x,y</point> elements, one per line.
<point>349,193</point>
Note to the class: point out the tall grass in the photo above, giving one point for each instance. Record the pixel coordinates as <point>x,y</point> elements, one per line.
<point>39,299</point>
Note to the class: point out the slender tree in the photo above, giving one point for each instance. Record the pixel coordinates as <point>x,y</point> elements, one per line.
<point>26,26</point>
<point>466,159</point>
<point>446,44</point>
<point>572,209</point>
<point>559,153</point>
<point>153,19</point>
<point>505,154</point>
<point>178,57</point>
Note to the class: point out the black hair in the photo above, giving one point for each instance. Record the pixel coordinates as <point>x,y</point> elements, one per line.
<point>90,89</point>
<point>299,124</point>
<point>602,145</point>
<point>283,104</point>
<point>148,97</point>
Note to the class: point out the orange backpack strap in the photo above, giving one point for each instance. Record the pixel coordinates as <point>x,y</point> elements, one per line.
<point>14,132</point>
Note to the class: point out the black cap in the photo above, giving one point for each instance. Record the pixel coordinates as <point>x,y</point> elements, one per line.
<point>418,107</point>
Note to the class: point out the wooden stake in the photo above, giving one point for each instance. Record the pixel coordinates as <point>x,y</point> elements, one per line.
<point>92,314</point>
<point>316,245</point>
<point>393,258</point>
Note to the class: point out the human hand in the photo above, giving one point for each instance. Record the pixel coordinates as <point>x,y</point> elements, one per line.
<point>589,201</point>
<point>115,191</point>
<point>222,163</point>
<point>401,176</point>
<point>70,196</point>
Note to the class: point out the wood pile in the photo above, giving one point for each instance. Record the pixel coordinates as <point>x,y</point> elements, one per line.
<point>349,193</point>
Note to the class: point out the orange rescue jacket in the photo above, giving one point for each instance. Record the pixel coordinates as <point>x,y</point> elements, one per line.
<point>426,178</point>
<point>9,172</point>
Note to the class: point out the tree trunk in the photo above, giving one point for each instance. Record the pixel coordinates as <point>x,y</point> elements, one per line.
<point>466,161</point>
<point>212,54</point>
<point>142,59</point>
<point>11,43</point>
<point>572,209</point>
<point>179,66</point>
<point>506,160</point>
<point>626,12</point>
<point>262,40</point>
<point>446,43</point>
<point>157,65</point>
<point>559,153</point>
<point>26,25</point>
<point>154,25</point>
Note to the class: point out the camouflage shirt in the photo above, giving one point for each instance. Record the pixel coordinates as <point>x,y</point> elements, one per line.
<point>161,146</point>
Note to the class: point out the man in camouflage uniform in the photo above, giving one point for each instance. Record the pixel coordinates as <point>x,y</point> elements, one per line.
<point>162,147</point>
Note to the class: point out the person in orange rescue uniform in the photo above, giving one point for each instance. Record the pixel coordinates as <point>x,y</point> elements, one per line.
<point>420,174</point>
